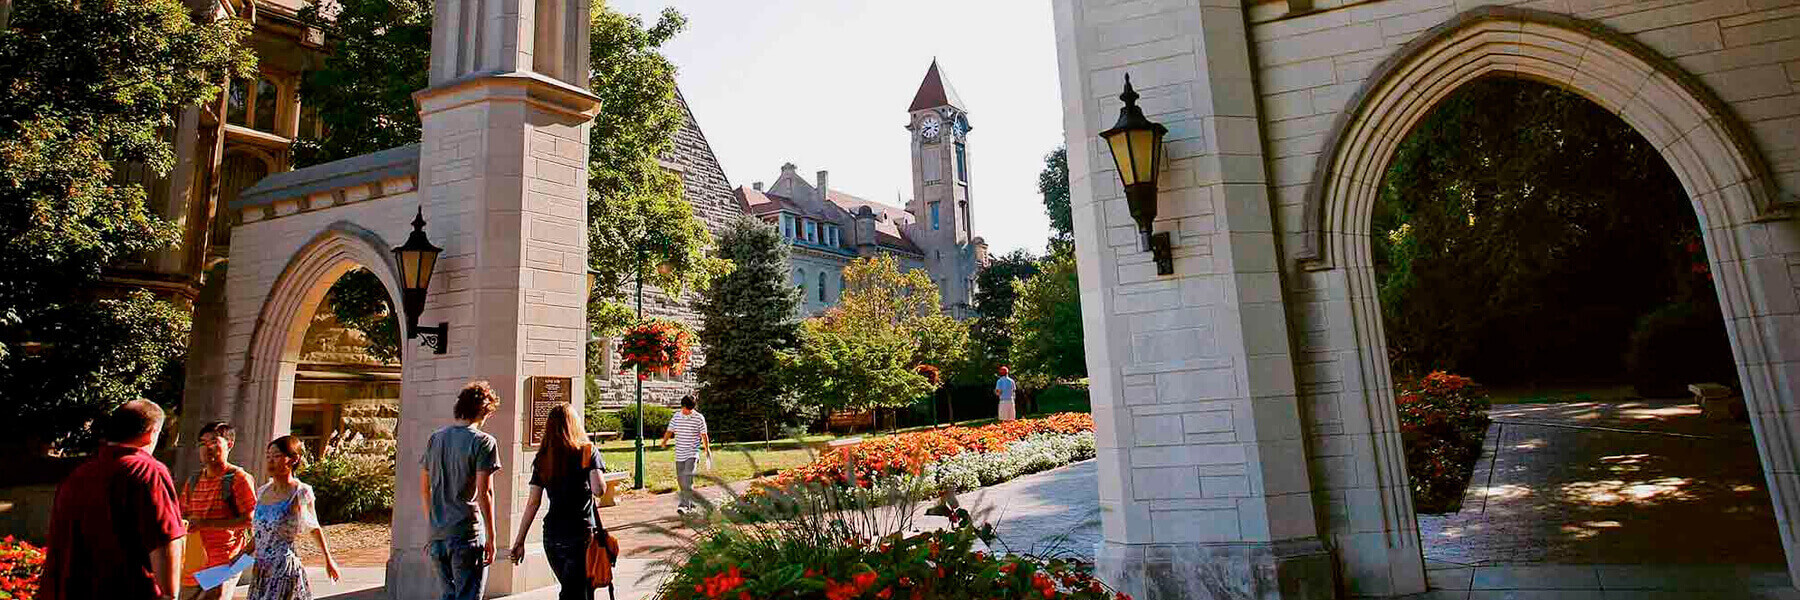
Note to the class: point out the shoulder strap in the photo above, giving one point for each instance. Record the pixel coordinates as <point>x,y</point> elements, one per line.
<point>587,456</point>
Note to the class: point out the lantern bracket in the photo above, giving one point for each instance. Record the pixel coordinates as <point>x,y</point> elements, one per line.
<point>1162,250</point>
<point>436,338</point>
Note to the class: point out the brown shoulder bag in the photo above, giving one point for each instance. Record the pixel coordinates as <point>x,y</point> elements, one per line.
<point>603,548</point>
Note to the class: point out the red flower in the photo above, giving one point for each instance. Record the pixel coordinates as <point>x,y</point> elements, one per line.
<point>885,593</point>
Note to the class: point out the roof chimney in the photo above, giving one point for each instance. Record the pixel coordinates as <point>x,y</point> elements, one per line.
<point>787,168</point>
<point>824,186</point>
<point>756,186</point>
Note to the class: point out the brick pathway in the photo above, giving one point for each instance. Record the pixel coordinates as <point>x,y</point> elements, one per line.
<point>1641,482</point>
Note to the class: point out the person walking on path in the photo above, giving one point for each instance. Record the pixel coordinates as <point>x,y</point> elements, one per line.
<point>217,503</point>
<point>285,510</point>
<point>115,525</point>
<point>688,427</point>
<point>1004,389</point>
<point>455,484</point>
<point>568,468</point>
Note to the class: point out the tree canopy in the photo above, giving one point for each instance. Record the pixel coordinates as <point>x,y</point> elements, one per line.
<point>91,87</point>
<point>1521,232</point>
<point>1046,325</point>
<point>1053,185</point>
<point>995,294</point>
<point>747,315</point>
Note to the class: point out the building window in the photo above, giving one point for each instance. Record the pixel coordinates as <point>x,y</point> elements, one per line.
<point>964,205</point>
<point>237,103</point>
<point>265,113</point>
<point>962,163</point>
<point>310,125</point>
<point>821,286</point>
<point>237,172</point>
<point>787,226</point>
<point>812,231</point>
<point>934,216</point>
<point>800,280</point>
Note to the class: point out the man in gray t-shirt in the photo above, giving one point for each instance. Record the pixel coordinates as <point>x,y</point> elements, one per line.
<point>455,489</point>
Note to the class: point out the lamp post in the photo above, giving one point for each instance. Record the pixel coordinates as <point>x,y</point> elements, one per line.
<point>1136,144</point>
<point>593,278</point>
<point>418,258</point>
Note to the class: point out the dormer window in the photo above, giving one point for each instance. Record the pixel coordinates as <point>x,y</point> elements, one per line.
<point>812,231</point>
<point>934,216</point>
<point>787,226</point>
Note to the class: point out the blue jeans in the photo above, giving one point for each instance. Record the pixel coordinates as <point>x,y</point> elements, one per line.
<point>568,560</point>
<point>459,567</point>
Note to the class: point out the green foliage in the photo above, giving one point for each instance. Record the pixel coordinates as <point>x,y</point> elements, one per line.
<point>380,54</point>
<point>351,481</point>
<point>1443,419</point>
<point>1521,230</point>
<point>1053,184</point>
<point>1680,344</point>
<point>656,420</point>
<point>1063,397</point>
<point>747,315</point>
<point>359,301</point>
<point>863,353</point>
<point>90,87</point>
<point>598,420</point>
<point>1046,326</point>
<point>995,295</point>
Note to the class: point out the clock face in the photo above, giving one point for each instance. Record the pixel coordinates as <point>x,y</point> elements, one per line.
<point>929,126</point>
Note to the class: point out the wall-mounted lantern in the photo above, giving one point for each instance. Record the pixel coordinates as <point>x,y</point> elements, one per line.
<point>1136,144</point>
<point>418,258</point>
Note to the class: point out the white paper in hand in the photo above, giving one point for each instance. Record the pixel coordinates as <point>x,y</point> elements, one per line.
<point>212,578</point>
<point>709,461</point>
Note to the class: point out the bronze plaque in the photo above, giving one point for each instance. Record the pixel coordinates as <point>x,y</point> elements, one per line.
<point>546,393</point>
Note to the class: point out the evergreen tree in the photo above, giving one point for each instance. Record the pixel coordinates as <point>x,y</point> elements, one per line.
<point>747,315</point>
<point>1046,326</point>
<point>995,294</point>
<point>89,87</point>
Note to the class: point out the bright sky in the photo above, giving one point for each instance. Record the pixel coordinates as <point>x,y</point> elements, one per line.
<point>825,84</point>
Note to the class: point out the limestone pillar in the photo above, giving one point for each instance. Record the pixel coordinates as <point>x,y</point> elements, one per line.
<point>503,183</point>
<point>1204,489</point>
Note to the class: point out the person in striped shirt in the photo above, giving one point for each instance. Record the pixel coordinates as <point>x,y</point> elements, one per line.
<point>688,427</point>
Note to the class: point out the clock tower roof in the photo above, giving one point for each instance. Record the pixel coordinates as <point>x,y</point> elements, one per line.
<point>935,91</point>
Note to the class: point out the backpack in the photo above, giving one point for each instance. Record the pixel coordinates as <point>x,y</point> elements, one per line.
<point>227,491</point>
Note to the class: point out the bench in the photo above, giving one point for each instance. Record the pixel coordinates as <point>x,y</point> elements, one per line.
<point>1717,402</point>
<point>848,419</point>
<point>601,437</point>
<point>612,479</point>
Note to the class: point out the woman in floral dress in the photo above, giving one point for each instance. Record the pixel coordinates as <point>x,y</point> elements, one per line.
<point>284,510</point>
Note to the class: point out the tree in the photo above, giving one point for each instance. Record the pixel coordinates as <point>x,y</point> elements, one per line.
<point>864,353</point>
<point>1053,184</point>
<point>90,85</point>
<point>995,295</point>
<point>359,301</point>
<point>638,222</point>
<point>1521,232</point>
<point>747,315</point>
<point>1046,326</point>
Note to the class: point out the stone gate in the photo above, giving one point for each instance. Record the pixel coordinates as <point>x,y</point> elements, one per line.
<point>1247,425</point>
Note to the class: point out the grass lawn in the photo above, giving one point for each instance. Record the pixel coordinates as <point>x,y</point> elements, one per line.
<point>1555,393</point>
<point>731,462</point>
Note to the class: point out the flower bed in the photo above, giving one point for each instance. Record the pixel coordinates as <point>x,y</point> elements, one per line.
<point>1042,442</point>
<point>1443,419</point>
<point>21,564</point>
<point>818,553</point>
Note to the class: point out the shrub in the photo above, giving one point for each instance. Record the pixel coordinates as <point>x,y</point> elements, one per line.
<point>1678,344</point>
<point>1064,397</point>
<point>21,564</point>
<point>808,542</point>
<point>1443,419</point>
<point>656,419</point>
<point>599,419</point>
<point>352,480</point>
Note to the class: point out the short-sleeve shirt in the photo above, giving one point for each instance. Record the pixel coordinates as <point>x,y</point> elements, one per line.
<point>688,428</point>
<point>454,456</point>
<point>203,498</point>
<point>571,496</point>
<point>1005,386</point>
<point>108,515</point>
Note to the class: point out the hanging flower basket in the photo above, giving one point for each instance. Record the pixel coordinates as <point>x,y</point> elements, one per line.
<point>655,346</point>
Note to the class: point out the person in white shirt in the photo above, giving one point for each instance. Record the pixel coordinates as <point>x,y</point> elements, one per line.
<point>688,427</point>
<point>1004,389</point>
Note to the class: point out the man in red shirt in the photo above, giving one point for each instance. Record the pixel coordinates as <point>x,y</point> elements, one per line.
<point>115,527</point>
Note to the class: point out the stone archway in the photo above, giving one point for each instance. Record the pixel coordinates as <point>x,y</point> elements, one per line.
<point>1725,176</point>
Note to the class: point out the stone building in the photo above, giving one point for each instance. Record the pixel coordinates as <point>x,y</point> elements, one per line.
<point>829,228</point>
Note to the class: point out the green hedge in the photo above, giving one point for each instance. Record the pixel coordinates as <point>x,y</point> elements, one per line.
<point>656,419</point>
<point>351,483</point>
<point>1063,397</point>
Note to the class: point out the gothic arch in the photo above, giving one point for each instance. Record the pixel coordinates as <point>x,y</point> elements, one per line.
<point>266,383</point>
<point>1726,177</point>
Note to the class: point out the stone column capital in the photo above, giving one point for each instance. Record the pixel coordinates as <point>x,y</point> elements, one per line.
<point>552,95</point>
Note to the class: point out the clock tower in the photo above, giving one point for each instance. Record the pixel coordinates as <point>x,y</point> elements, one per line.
<point>939,127</point>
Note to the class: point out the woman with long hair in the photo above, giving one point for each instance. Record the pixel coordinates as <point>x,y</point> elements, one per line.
<point>568,468</point>
<point>284,511</point>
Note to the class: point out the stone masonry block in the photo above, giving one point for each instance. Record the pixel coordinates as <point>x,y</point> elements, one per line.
<point>1158,430</point>
<point>1149,483</point>
<point>1205,384</point>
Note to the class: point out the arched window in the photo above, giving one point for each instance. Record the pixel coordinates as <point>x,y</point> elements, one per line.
<point>822,286</point>
<point>800,280</point>
<point>237,172</point>
<point>266,97</point>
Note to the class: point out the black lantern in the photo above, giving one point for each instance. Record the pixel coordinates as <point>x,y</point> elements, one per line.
<point>418,258</point>
<point>1136,144</point>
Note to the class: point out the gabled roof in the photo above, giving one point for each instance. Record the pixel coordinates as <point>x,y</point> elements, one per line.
<point>935,91</point>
